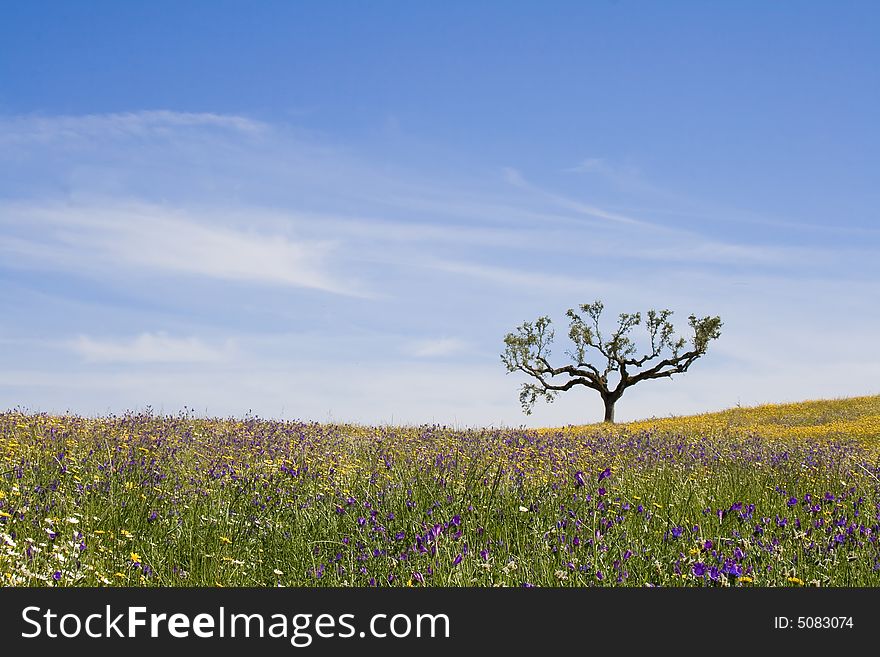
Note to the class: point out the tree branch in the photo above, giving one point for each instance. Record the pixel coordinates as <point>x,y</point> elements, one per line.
<point>580,378</point>
<point>679,364</point>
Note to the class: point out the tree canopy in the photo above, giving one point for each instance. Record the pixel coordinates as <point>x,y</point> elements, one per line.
<point>609,364</point>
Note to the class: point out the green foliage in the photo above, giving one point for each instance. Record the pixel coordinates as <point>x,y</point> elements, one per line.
<point>527,349</point>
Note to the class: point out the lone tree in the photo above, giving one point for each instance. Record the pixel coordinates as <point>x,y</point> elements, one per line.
<point>528,349</point>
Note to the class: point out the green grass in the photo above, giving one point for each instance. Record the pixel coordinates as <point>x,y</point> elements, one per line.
<point>783,495</point>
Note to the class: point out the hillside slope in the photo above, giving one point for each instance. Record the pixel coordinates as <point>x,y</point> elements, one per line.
<point>853,417</point>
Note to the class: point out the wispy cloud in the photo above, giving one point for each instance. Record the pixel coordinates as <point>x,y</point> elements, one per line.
<point>515,178</point>
<point>151,216</point>
<point>167,241</point>
<point>155,123</point>
<point>625,177</point>
<point>589,165</point>
<point>534,280</point>
<point>131,179</point>
<point>149,348</point>
<point>435,347</point>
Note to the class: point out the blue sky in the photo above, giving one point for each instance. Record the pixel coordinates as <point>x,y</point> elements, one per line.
<point>337,210</point>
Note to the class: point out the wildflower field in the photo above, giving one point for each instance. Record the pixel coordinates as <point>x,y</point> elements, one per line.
<point>785,495</point>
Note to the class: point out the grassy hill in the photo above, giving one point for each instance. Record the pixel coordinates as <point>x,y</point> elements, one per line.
<point>776,495</point>
<point>853,418</point>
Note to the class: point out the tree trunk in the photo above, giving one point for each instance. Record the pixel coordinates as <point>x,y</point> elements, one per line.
<point>609,409</point>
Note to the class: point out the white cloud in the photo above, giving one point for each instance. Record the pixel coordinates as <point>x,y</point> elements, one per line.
<point>125,236</point>
<point>148,348</point>
<point>200,156</point>
<point>516,179</point>
<point>589,165</point>
<point>167,206</point>
<point>435,347</point>
<point>35,128</point>
<point>523,278</point>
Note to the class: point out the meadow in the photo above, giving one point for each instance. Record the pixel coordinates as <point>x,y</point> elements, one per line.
<point>779,495</point>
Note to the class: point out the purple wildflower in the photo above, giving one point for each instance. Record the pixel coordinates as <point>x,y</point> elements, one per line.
<point>732,569</point>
